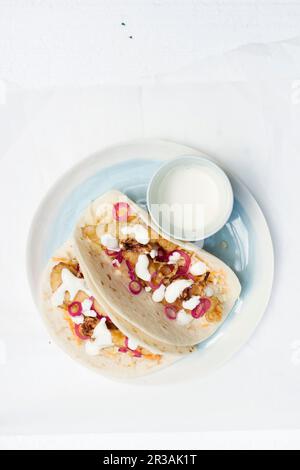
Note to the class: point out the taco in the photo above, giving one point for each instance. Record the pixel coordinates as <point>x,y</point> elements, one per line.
<point>173,292</point>
<point>86,331</point>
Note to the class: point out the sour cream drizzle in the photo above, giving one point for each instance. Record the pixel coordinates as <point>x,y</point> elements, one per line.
<point>132,343</point>
<point>70,283</point>
<point>153,253</point>
<point>141,268</point>
<point>174,258</point>
<point>139,232</point>
<point>101,339</point>
<point>183,318</point>
<point>110,242</point>
<point>78,319</point>
<point>209,291</point>
<point>87,308</point>
<point>198,268</point>
<point>191,303</point>
<point>158,294</point>
<point>176,288</point>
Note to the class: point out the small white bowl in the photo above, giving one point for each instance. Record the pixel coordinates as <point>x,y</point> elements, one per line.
<point>194,208</point>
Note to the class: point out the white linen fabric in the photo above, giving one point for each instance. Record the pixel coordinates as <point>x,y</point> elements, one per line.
<point>247,117</point>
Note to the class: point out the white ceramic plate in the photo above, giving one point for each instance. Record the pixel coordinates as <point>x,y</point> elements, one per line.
<point>244,243</point>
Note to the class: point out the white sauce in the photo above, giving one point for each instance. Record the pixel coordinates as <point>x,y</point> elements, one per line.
<point>158,294</point>
<point>110,242</point>
<point>70,283</point>
<point>208,291</point>
<point>191,303</point>
<point>132,343</point>
<point>86,308</point>
<point>139,232</point>
<point>78,319</point>
<point>141,268</point>
<point>183,318</point>
<point>101,339</point>
<point>200,196</point>
<point>86,304</point>
<point>176,288</point>
<point>153,253</point>
<point>198,268</point>
<point>174,257</point>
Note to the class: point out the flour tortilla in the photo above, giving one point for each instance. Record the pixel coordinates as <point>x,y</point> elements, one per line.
<point>152,344</point>
<point>140,312</point>
<point>119,365</point>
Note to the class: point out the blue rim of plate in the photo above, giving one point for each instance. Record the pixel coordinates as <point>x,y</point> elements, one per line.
<point>244,243</point>
<point>232,244</point>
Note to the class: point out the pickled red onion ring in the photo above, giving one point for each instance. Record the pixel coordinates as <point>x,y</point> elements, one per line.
<point>131,272</point>
<point>187,261</point>
<point>162,255</point>
<point>75,309</point>
<point>201,308</point>
<point>100,316</point>
<point>135,287</point>
<point>129,267</point>
<point>79,334</point>
<point>170,312</point>
<point>121,211</point>
<point>118,255</point>
<point>137,353</point>
<point>123,349</point>
<point>111,252</point>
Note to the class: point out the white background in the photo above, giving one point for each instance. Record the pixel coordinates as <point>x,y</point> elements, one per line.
<point>82,42</point>
<point>175,92</point>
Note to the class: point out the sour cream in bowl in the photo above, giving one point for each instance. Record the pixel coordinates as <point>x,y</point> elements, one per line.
<point>190,198</point>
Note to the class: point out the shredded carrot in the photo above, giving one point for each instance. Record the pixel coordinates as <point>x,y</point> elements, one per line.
<point>72,328</point>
